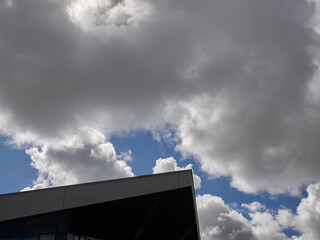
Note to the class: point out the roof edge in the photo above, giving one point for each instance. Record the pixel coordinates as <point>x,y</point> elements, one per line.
<point>28,203</point>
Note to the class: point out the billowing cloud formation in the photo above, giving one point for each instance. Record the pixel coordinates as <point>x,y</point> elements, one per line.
<point>110,15</point>
<point>84,158</point>
<point>235,80</point>
<point>259,120</point>
<point>254,206</point>
<point>218,221</point>
<point>170,164</point>
<point>307,218</point>
<point>265,226</point>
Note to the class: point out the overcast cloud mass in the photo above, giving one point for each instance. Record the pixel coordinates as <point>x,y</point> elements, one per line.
<point>236,81</point>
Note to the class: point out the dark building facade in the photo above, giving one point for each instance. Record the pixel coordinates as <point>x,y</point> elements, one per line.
<point>160,206</point>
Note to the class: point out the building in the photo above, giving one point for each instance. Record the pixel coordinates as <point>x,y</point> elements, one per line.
<point>160,206</point>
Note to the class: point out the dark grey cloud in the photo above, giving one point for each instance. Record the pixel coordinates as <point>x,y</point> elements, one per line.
<point>254,124</point>
<point>54,75</point>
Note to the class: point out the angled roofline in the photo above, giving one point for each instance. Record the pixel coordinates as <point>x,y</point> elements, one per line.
<point>29,203</point>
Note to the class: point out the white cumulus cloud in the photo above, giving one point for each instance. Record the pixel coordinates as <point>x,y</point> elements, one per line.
<point>254,206</point>
<point>84,158</point>
<point>218,221</point>
<point>307,217</point>
<point>108,15</point>
<point>170,164</point>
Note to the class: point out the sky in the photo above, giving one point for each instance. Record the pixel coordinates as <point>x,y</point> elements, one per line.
<point>104,89</point>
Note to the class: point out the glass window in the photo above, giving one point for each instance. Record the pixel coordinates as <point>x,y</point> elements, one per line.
<point>4,225</point>
<point>3,233</point>
<point>61,236</point>
<point>33,220</point>
<point>31,238</point>
<point>50,218</point>
<point>64,216</point>
<point>48,228</point>
<point>47,237</point>
<point>62,227</point>
<point>30,230</point>
<point>16,231</point>
<point>18,222</point>
<point>69,236</point>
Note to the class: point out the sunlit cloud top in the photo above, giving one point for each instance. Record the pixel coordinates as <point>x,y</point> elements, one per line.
<point>110,15</point>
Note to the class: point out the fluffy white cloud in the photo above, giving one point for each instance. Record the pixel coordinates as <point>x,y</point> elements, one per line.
<point>246,143</point>
<point>308,214</point>
<point>306,220</point>
<point>307,217</point>
<point>108,15</point>
<point>84,158</point>
<point>170,164</point>
<point>219,221</point>
<point>265,226</point>
<point>254,206</point>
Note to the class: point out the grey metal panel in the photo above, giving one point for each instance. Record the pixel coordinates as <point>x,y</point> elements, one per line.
<point>53,199</point>
<point>81,195</point>
<point>185,179</point>
<point>30,203</point>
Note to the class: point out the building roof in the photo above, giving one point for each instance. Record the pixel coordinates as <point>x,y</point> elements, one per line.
<point>176,187</point>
